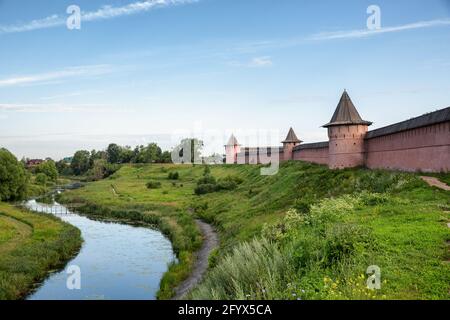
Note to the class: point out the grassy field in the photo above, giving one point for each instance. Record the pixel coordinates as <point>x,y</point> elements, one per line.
<point>30,246</point>
<point>307,232</point>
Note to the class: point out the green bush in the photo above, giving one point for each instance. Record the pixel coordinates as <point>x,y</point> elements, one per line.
<point>207,179</point>
<point>153,185</point>
<point>229,183</point>
<point>173,175</point>
<point>304,203</point>
<point>41,179</point>
<point>342,241</point>
<point>205,188</point>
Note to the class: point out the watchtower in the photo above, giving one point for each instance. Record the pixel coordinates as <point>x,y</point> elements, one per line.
<point>289,143</point>
<point>346,132</point>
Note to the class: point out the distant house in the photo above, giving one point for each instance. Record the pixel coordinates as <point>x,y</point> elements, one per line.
<point>34,162</point>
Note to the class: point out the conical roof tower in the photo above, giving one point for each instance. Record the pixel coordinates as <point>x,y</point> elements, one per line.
<point>291,137</point>
<point>346,113</point>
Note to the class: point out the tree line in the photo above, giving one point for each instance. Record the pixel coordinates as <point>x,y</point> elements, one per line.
<point>99,164</point>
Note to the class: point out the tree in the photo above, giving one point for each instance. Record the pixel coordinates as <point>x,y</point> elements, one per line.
<point>166,157</point>
<point>96,155</point>
<point>126,155</point>
<point>80,162</point>
<point>63,168</point>
<point>13,177</point>
<point>41,179</point>
<point>152,153</point>
<point>113,153</point>
<point>49,169</point>
<point>102,169</point>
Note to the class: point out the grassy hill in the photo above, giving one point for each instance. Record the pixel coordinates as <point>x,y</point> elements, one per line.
<point>31,245</point>
<point>307,232</point>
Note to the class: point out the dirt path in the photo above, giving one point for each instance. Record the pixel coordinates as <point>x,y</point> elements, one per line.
<point>434,182</point>
<point>210,242</point>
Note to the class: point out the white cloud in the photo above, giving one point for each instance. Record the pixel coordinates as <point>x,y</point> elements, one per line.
<point>105,12</point>
<point>69,72</point>
<point>48,22</point>
<point>44,108</point>
<point>256,62</point>
<point>263,45</point>
<point>71,94</point>
<point>261,62</point>
<point>363,33</point>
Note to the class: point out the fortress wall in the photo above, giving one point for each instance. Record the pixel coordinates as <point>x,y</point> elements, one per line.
<point>314,155</point>
<point>426,149</point>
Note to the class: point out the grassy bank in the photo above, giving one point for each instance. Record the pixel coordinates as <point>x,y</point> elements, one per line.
<point>30,246</point>
<point>339,223</point>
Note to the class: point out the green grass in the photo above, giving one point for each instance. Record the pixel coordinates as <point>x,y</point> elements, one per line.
<point>400,226</point>
<point>30,246</point>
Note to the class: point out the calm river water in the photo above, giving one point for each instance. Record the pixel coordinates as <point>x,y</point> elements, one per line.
<point>116,261</point>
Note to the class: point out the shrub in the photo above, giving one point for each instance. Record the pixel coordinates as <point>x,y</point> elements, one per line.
<point>342,241</point>
<point>153,185</point>
<point>173,175</point>
<point>205,188</point>
<point>207,179</point>
<point>41,179</point>
<point>332,209</point>
<point>304,203</point>
<point>286,227</point>
<point>229,183</point>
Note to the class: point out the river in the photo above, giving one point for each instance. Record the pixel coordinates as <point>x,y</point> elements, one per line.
<point>116,261</point>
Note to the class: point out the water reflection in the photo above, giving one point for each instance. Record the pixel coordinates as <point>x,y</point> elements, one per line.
<point>117,261</point>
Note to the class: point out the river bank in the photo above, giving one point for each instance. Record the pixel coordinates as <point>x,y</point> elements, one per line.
<point>32,245</point>
<point>116,261</point>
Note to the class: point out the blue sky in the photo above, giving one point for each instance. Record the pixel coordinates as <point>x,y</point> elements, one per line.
<point>143,70</point>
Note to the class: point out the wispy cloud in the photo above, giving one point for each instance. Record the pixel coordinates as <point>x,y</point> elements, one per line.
<point>259,62</point>
<point>364,33</point>
<point>69,72</point>
<point>105,12</point>
<point>52,108</point>
<point>70,95</point>
<point>256,62</point>
<point>282,43</point>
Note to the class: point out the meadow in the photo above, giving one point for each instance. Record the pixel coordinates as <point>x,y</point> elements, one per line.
<point>30,246</point>
<point>305,233</point>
